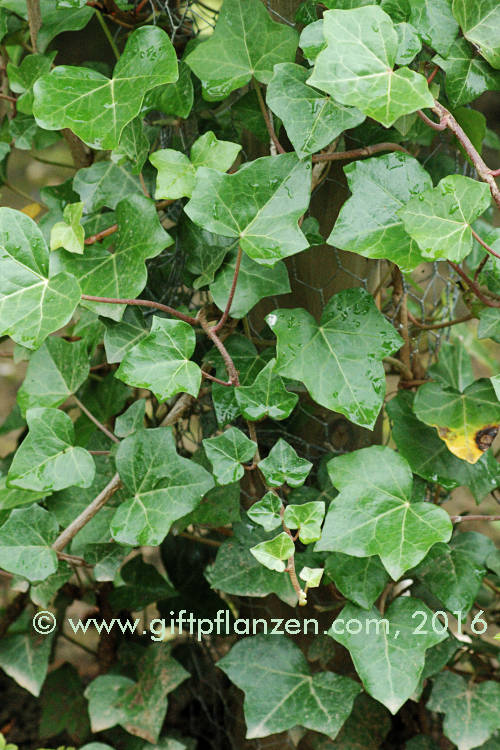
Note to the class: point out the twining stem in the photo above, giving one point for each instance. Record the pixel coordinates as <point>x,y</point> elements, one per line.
<point>434,125</point>
<point>290,568</point>
<point>214,379</point>
<point>143,303</point>
<point>355,153</point>
<point>93,419</point>
<point>100,235</point>
<point>225,314</point>
<point>231,369</point>
<point>267,119</point>
<point>474,287</point>
<point>484,244</point>
<point>435,326</point>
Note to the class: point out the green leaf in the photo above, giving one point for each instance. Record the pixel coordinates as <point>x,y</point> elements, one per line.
<point>23,76</point>
<point>161,362</point>
<point>25,543</point>
<point>161,487</point>
<point>55,371</point>
<point>281,693</point>
<point>121,274</point>
<point>139,707</point>
<point>131,420</point>
<point>105,184</point>
<point>439,219</point>
<point>245,43</point>
<point>312,40</point>
<point>467,76</point>
<point>409,43</point>
<point>174,98</point>
<point>204,251</point>
<point>429,457</point>
<point>307,518</point>
<point>120,337</point>
<point>255,282</point>
<point>56,20</point>
<point>220,506</point>
<point>96,108</point>
<point>32,305</point>
<point>134,145</point>
<point>366,727</point>
<point>452,575</point>
<point>47,459</point>
<point>312,577</point>
<point>338,360</point>
<point>266,397</point>
<point>283,465</point>
<point>388,656</point>
<point>312,120</point>
<point>467,422</point>
<point>273,552</point>
<point>435,23</point>
<point>11,497</point>
<point>266,511</point>
<point>356,68</point>
<point>489,324</point>
<point>368,223</point>
<point>260,204</point>
<point>43,593</point>
<point>466,728</point>
<point>454,366</point>
<point>25,658</point>
<point>177,173</point>
<point>227,453</point>
<point>360,579</point>
<point>480,24</point>
<point>142,585</point>
<point>63,705</point>
<point>373,514</point>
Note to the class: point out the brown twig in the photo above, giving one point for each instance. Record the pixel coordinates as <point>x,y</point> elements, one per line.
<point>93,419</point>
<point>231,369</point>
<point>267,119</point>
<point>225,315</point>
<point>484,244</point>
<point>214,379</point>
<point>100,235</point>
<point>355,153</point>
<point>143,303</point>
<point>435,326</point>
<point>475,288</point>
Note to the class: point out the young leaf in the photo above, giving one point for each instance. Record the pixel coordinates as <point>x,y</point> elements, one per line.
<point>96,108</point>
<point>160,485</point>
<point>470,728</point>
<point>338,360</point>
<point>266,397</point>
<point>373,514</point>
<point>283,465</point>
<point>32,305</point>
<point>312,577</point>
<point>227,453</point>
<point>161,361</point>
<point>467,422</point>
<point>480,23</point>
<point>69,234</point>
<point>307,518</point>
<point>368,222</point>
<point>260,204</point>
<point>312,120</point>
<point>273,552</point>
<point>266,511</point>
<point>387,654</point>
<point>280,691</point>
<point>25,658</point>
<point>467,76</point>
<point>25,543</point>
<point>47,459</point>
<point>360,579</point>
<point>439,219</point>
<point>356,68</point>
<point>246,42</point>
<point>55,371</point>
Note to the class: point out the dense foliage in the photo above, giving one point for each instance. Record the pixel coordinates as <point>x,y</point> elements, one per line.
<point>197,438</point>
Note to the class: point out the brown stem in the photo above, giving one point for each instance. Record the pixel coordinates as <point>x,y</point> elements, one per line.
<point>460,519</point>
<point>214,379</point>
<point>225,314</point>
<point>143,303</point>
<point>484,244</point>
<point>100,235</point>
<point>435,326</point>
<point>290,567</point>
<point>11,99</point>
<point>355,153</point>
<point>480,267</point>
<point>267,119</point>
<point>253,436</point>
<point>474,287</point>
<point>231,369</point>
<point>93,419</point>
<point>434,125</point>
<point>433,74</point>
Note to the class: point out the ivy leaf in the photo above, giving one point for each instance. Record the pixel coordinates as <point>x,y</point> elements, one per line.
<point>63,706</point>
<point>273,552</point>
<point>69,233</point>
<point>254,283</point>
<point>365,729</point>
<point>174,98</point>
<point>373,514</point>
<point>105,184</point>
<point>204,251</point>
<point>312,120</point>
<point>281,693</point>
<point>356,68</point>
<point>47,459</point>
<point>123,273</point>
<point>266,397</point>
<point>307,518</point>
<point>227,453</point>
<point>467,76</point>
<point>23,76</point>
<point>56,20</point>
<point>32,305</point>
<point>131,420</point>
<point>284,465</point>
<point>139,707</point>
<point>470,728</point>
<point>435,23</point>
<point>452,575</point>
<point>134,145</point>
<point>467,422</point>
<point>11,497</point>
<point>161,487</point>
<point>480,23</point>
<point>245,43</point>
<point>489,324</point>
<point>26,543</point>
<point>368,223</point>
<point>260,204</point>
<point>142,585</point>
<point>177,173</point>
<point>96,108</point>
<point>161,361</point>
<point>429,457</point>
<point>409,43</point>
<point>43,593</point>
<point>120,337</point>
<point>266,511</point>
<point>453,368</point>
<point>338,360</point>
<point>389,658</point>
<point>312,40</point>
<point>55,371</point>
<point>25,658</point>
<point>439,219</point>
<point>360,579</point>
